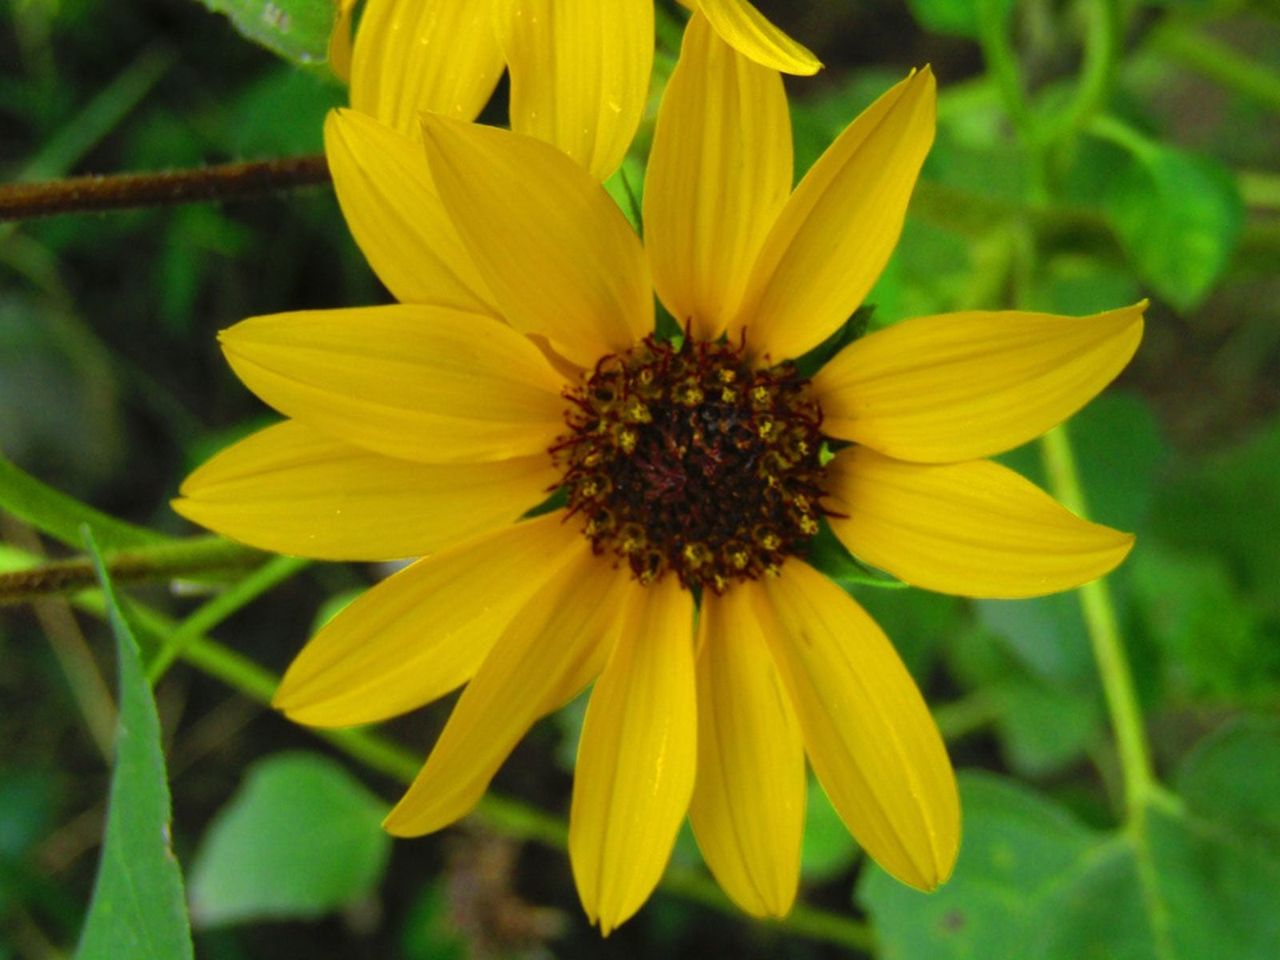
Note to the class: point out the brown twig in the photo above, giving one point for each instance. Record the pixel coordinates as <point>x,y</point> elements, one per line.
<point>228,181</point>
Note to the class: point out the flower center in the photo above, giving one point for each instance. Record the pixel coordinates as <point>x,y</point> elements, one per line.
<point>684,459</point>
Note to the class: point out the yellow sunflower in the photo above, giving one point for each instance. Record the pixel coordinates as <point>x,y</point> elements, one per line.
<point>691,474</point>
<point>579,68</point>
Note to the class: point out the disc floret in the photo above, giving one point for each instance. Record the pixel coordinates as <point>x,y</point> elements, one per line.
<point>680,457</point>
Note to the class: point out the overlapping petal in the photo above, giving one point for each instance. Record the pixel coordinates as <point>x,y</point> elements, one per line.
<point>291,489</point>
<point>868,733</point>
<point>837,231</point>
<point>425,630</point>
<point>965,385</point>
<point>747,30</point>
<point>636,759</point>
<point>976,528</point>
<point>579,73</point>
<point>394,212</point>
<point>748,803</point>
<point>719,172</point>
<point>413,382</point>
<point>553,648</point>
<point>415,55</point>
<point>556,251</point>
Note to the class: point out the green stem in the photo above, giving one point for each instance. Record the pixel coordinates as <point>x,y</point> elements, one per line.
<point>1002,65</point>
<point>157,562</point>
<point>1101,54</point>
<point>1220,63</point>
<point>219,608</point>
<point>1104,635</point>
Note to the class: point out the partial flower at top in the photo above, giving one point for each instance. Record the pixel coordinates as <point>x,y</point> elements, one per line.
<point>579,68</point>
<point>691,473</point>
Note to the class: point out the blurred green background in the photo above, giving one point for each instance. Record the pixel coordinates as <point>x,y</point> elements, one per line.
<point>1089,153</point>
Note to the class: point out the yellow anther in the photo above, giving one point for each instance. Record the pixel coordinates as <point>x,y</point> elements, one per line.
<point>627,440</point>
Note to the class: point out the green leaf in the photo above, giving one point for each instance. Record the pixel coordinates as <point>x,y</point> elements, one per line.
<point>61,516</point>
<point>137,909</point>
<point>1186,879</point>
<point>1233,777</point>
<point>1179,218</point>
<point>1016,847</point>
<point>300,838</point>
<point>297,30</point>
<point>827,850</point>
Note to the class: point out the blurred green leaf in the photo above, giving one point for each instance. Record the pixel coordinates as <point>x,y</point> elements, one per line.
<point>297,30</point>
<point>300,838</point>
<point>1228,504</point>
<point>1209,637</point>
<point>955,17</point>
<point>138,909</point>
<point>282,114</point>
<point>428,934</point>
<point>1017,845</point>
<point>827,850</point>
<point>1033,884</point>
<point>1232,778</point>
<point>61,516</point>
<point>1178,216</point>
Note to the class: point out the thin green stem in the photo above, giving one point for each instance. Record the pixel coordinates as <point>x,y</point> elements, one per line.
<point>1101,54</point>
<point>1104,635</point>
<point>1188,46</point>
<point>1002,65</point>
<point>219,608</point>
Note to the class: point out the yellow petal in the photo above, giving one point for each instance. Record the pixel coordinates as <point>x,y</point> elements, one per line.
<point>291,489</point>
<point>556,251</point>
<point>836,232</point>
<point>552,649</point>
<point>748,803</point>
<point>976,529</point>
<point>412,382</point>
<point>579,74</point>
<point>340,40</point>
<point>415,55</point>
<point>636,759</point>
<point>868,733</point>
<point>719,172</point>
<point>425,630</point>
<point>393,210</point>
<point>966,385</point>
<point>745,29</point>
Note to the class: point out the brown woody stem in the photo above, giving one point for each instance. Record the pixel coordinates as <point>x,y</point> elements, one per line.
<point>228,181</point>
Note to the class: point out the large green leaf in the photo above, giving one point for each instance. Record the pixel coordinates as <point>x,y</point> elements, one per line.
<point>297,30</point>
<point>138,909</point>
<point>1179,217</point>
<point>301,837</point>
<point>1190,878</point>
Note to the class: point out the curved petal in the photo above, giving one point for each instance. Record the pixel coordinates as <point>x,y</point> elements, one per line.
<point>976,529</point>
<point>836,232</point>
<point>748,803</point>
<point>340,40</point>
<point>412,382</point>
<point>423,631</point>
<point>719,172</point>
<point>291,489</point>
<point>392,208</point>
<point>555,250</point>
<point>966,385</point>
<point>868,733</point>
<point>747,30</point>
<point>636,758</point>
<point>552,649</point>
<point>579,74</point>
<point>416,55</point>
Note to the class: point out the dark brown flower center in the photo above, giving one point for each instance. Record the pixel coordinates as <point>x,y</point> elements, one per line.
<point>686,459</point>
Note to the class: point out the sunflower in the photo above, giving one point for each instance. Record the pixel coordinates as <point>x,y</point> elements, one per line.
<point>691,474</point>
<point>579,68</point>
